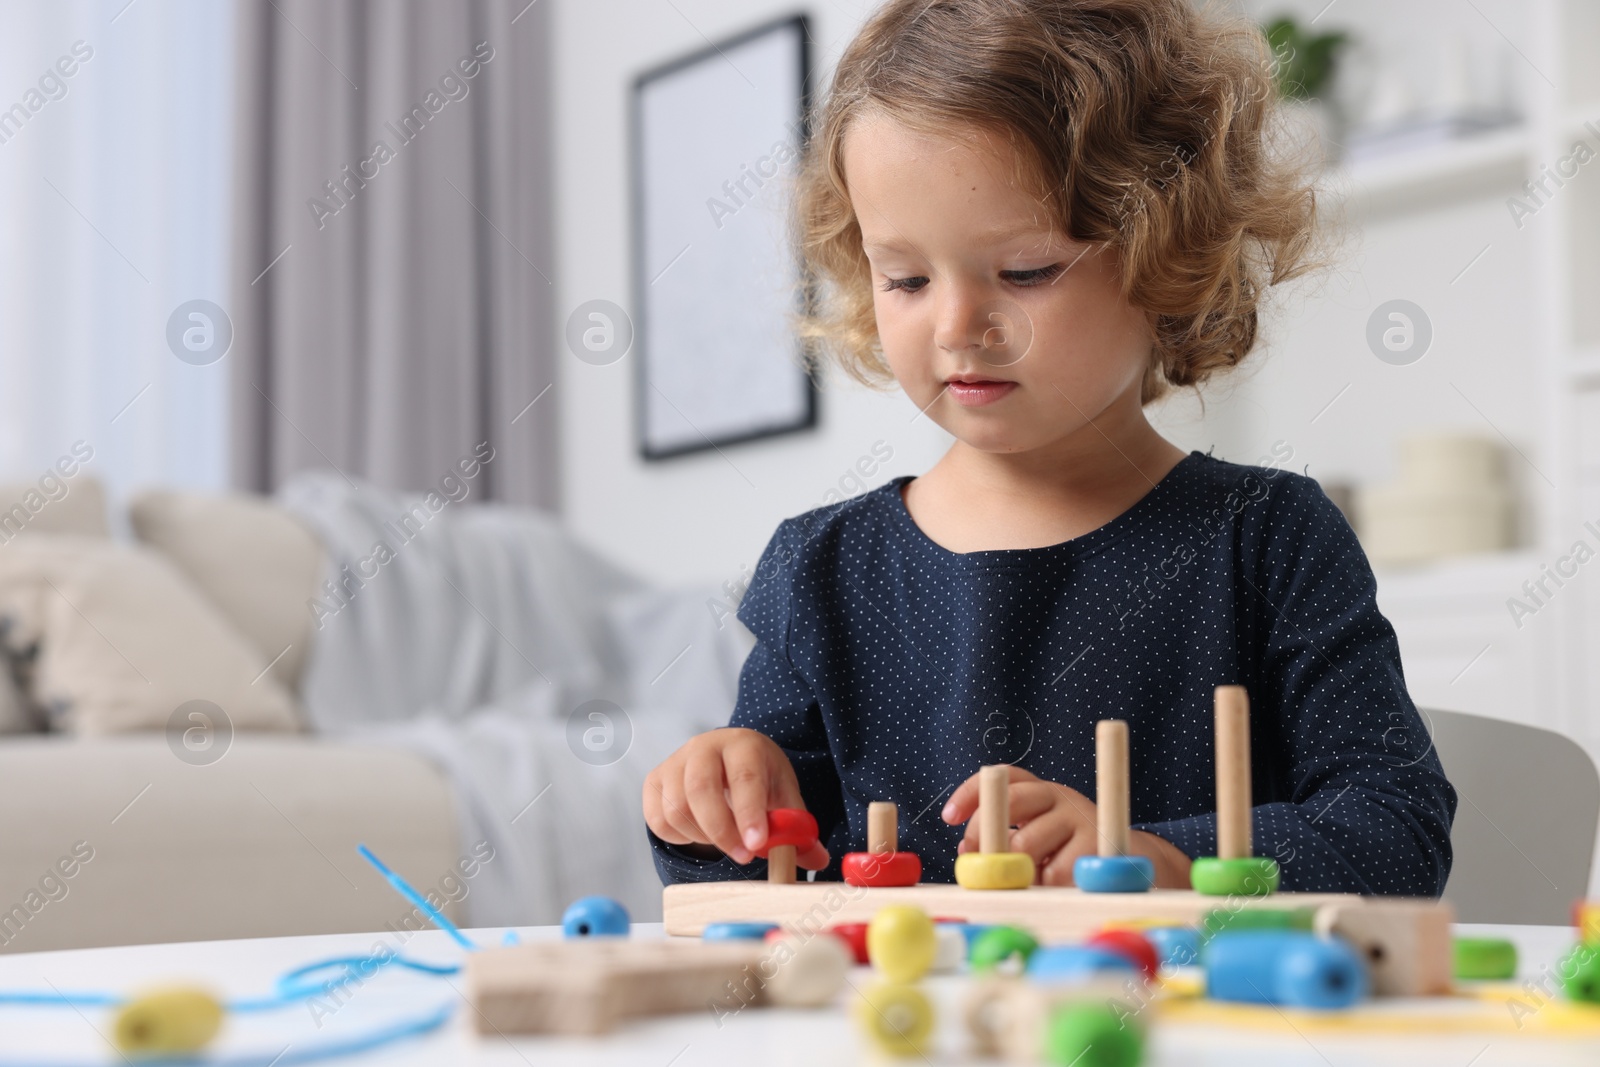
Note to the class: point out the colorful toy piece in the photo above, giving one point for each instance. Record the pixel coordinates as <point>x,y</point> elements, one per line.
<point>1132,944</point>
<point>788,829</point>
<point>738,931</point>
<point>901,942</point>
<point>1480,958</point>
<point>167,1021</point>
<point>1089,1032</point>
<point>896,1018</point>
<point>1586,917</point>
<point>854,936</point>
<point>1405,943</point>
<point>1233,871</point>
<point>992,867</point>
<point>1113,870</point>
<point>1289,968</point>
<point>882,864</point>
<point>1073,963</point>
<point>1579,971</point>
<point>807,972</point>
<point>950,948</point>
<point>1176,946</point>
<point>1000,943</point>
<point>595,917</point>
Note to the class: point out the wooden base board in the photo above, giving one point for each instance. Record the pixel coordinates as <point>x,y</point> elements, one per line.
<point>1053,913</point>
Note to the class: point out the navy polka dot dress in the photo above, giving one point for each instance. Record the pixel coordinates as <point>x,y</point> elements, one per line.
<point>890,668</point>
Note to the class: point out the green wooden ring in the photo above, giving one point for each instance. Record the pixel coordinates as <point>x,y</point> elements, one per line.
<point>1579,972</point>
<point>1250,876</point>
<point>1484,958</point>
<point>1217,920</point>
<point>1000,943</point>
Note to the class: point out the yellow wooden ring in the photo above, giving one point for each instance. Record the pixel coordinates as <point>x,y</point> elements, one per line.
<point>175,1020</point>
<point>994,870</point>
<point>896,1018</point>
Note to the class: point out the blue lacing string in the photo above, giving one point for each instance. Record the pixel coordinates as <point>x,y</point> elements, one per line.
<point>294,987</point>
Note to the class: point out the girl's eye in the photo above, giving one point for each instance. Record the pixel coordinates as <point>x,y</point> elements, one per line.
<point>1024,278</point>
<point>1034,277</point>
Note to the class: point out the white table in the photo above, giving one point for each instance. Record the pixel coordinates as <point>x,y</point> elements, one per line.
<point>755,1037</point>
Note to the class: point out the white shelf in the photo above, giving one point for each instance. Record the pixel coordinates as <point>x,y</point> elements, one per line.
<point>1436,174</point>
<point>1583,369</point>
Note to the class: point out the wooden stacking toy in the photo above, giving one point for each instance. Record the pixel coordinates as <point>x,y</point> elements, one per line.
<point>788,829</point>
<point>882,864</point>
<point>1112,870</point>
<point>992,866</point>
<point>1233,871</point>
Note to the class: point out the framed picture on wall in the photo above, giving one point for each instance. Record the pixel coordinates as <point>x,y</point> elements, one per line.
<point>716,142</point>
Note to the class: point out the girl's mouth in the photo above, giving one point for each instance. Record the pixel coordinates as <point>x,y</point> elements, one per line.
<point>977,393</point>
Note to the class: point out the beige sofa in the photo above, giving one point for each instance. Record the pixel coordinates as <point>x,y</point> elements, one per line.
<point>112,836</point>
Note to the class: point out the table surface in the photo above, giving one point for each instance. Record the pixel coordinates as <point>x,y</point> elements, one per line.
<point>765,1036</point>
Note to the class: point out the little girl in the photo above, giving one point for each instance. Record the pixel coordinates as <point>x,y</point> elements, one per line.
<point>1037,216</point>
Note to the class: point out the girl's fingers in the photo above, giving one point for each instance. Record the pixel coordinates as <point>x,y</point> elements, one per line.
<point>964,801</point>
<point>814,858</point>
<point>749,785</point>
<point>1045,835</point>
<point>654,817</point>
<point>705,788</point>
<point>1058,869</point>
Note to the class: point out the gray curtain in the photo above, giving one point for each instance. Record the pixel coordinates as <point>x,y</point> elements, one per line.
<point>392,294</point>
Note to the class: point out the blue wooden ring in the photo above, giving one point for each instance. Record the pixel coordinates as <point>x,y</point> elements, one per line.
<point>1178,946</point>
<point>1075,962</point>
<point>1114,874</point>
<point>736,931</point>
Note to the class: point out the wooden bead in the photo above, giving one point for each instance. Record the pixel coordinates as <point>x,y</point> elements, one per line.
<point>806,972</point>
<point>901,942</point>
<point>1288,968</point>
<point>178,1020</point>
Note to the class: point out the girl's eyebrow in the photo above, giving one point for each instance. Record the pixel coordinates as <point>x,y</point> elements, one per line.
<point>997,235</point>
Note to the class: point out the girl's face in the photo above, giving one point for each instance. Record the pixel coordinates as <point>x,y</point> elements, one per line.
<point>973,282</point>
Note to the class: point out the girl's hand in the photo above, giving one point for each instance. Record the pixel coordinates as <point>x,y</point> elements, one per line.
<point>716,790</point>
<point>1056,825</point>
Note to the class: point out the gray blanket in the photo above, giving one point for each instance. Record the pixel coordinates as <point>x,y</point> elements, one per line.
<point>542,679</point>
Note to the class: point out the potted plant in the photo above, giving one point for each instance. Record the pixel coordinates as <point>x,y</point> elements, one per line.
<point>1303,67</point>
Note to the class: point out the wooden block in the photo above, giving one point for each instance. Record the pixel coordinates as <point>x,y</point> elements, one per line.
<point>1406,944</point>
<point>1111,786</point>
<point>1052,913</point>
<point>587,986</point>
<point>1233,772</point>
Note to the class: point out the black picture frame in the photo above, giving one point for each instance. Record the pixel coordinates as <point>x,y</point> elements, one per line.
<point>806,400</point>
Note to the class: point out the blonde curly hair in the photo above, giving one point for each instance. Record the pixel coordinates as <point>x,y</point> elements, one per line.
<point>1142,124</point>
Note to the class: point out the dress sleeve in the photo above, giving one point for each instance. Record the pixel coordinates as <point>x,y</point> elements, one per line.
<point>775,698</point>
<point>1332,725</point>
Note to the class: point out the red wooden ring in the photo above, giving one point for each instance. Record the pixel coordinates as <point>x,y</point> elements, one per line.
<point>882,868</point>
<point>1131,945</point>
<point>854,935</point>
<point>789,826</point>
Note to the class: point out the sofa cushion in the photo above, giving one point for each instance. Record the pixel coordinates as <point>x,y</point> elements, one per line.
<point>256,562</point>
<point>74,504</point>
<point>123,639</point>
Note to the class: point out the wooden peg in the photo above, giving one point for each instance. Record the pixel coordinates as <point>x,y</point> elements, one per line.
<point>781,865</point>
<point>1111,785</point>
<point>1233,772</point>
<point>994,865</point>
<point>883,832</point>
<point>994,808</point>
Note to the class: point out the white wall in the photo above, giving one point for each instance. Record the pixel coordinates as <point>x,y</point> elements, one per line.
<point>705,516</point>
